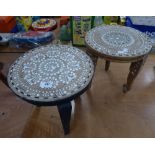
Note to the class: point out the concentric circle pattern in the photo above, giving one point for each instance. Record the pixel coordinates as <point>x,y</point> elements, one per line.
<point>50,73</point>
<point>118,41</point>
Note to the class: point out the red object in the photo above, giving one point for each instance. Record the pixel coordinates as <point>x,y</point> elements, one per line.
<point>64,20</point>
<point>31,34</point>
<point>7,23</point>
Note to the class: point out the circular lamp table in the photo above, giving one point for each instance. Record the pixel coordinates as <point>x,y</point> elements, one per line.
<point>52,75</point>
<point>119,44</point>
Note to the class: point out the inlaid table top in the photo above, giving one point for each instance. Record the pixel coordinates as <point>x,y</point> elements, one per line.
<point>50,73</point>
<point>118,41</point>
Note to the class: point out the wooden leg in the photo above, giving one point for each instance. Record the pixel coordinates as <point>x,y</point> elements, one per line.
<point>77,98</point>
<point>1,65</point>
<point>94,59</point>
<point>134,70</point>
<point>2,76</point>
<point>107,64</point>
<point>90,84</point>
<point>95,62</point>
<point>65,115</point>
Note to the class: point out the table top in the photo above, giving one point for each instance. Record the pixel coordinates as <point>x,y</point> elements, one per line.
<point>118,41</point>
<point>50,73</point>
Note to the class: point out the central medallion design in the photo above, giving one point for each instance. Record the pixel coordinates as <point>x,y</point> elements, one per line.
<point>117,39</point>
<point>51,66</point>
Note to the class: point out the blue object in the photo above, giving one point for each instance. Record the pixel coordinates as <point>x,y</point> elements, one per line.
<point>42,37</point>
<point>34,18</point>
<point>1,38</point>
<point>14,30</point>
<point>30,38</point>
<point>142,28</point>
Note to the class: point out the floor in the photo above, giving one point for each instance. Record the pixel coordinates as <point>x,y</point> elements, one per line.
<point>103,111</point>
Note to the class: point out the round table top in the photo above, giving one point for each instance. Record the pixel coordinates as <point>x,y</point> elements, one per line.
<point>118,41</point>
<point>50,73</point>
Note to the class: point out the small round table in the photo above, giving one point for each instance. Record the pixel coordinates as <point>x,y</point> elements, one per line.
<point>119,44</point>
<point>52,75</point>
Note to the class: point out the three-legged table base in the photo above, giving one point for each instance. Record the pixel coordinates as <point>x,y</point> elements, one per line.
<point>64,108</point>
<point>133,72</point>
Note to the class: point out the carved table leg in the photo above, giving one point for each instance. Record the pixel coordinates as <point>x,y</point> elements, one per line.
<point>2,76</point>
<point>134,70</point>
<point>107,64</point>
<point>65,115</point>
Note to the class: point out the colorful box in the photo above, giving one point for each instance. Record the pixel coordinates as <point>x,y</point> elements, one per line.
<point>24,23</point>
<point>79,27</point>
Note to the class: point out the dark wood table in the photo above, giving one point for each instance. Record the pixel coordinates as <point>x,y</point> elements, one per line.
<point>119,44</point>
<point>51,75</point>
